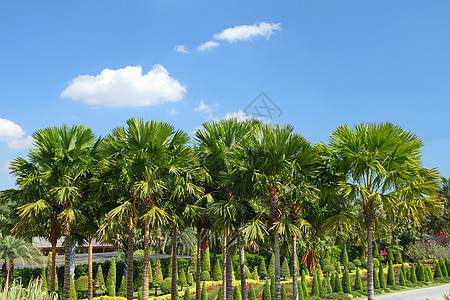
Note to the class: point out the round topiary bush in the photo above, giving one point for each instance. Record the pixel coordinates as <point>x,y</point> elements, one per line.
<point>166,285</point>
<point>325,262</point>
<point>205,276</point>
<point>376,263</point>
<point>350,266</point>
<point>81,284</point>
<point>357,262</point>
<point>328,268</point>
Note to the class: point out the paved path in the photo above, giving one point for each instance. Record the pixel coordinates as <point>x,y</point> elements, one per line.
<point>435,292</point>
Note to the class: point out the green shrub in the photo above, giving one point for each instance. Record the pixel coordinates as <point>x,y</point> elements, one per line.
<point>391,275</point>
<point>251,293</point>
<point>187,294</point>
<point>398,256</point>
<point>376,263</point>
<point>73,292</point>
<point>402,279</point>
<point>413,275</point>
<point>437,270</point>
<point>266,292</point>
<point>420,272</point>
<point>284,269</point>
<point>304,285</point>
<point>357,263</point>
<point>99,283</point>
<point>443,268</point>
<point>139,295</point>
<point>111,279</point>
<point>81,284</point>
<point>376,279</point>
<point>283,293</point>
<point>358,282</point>
<point>328,268</point>
<point>337,284</point>
<point>272,287</point>
<point>325,262</point>
<point>205,276</point>
<point>204,292</point>
<point>262,269</point>
<point>381,277</point>
<point>206,261</point>
<point>390,255</point>
<point>237,294</point>
<point>217,272</point>
<point>344,257</point>
<point>190,278</point>
<point>346,284</point>
<point>255,273</point>
<point>166,285</point>
<point>350,266</point>
<point>123,287</point>
<point>271,268</point>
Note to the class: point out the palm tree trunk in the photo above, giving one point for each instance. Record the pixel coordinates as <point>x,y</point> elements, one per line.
<point>53,267</point>
<point>174,263</point>
<point>276,248</point>
<point>66,294</point>
<point>90,273</point>
<point>130,260</point>
<point>225,264</point>
<point>6,284</point>
<point>198,271</point>
<point>145,275</point>
<point>294,269</point>
<point>370,289</point>
<point>229,277</point>
<point>243,275</point>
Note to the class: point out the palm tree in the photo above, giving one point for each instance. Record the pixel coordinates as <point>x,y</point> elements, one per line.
<point>273,158</point>
<point>12,248</point>
<point>382,163</point>
<point>215,144</point>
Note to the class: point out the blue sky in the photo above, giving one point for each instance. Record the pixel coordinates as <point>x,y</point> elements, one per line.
<point>323,63</point>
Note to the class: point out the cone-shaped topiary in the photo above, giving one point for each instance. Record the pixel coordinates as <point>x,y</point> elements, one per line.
<point>321,288</point>
<point>283,293</point>
<point>237,294</point>
<point>402,279</point>
<point>284,270</point>
<point>408,274</point>
<point>315,285</point>
<point>123,287</point>
<point>358,281</point>
<point>73,292</point>
<point>404,270</point>
<point>413,275</point>
<point>255,273</point>
<point>140,295</point>
<point>99,283</point>
<point>447,265</point>
<point>219,293</point>
<point>248,274</point>
<point>217,273</point>
<point>206,261</point>
<point>301,292</point>
<point>443,268</point>
<point>376,279</point>
<point>44,279</point>
<point>190,278</point>
<point>420,272</point>
<point>272,287</point>
<point>157,274</point>
<point>390,255</point>
<point>187,294</point>
<point>182,280</point>
<point>437,270</point>
<point>329,288</point>
<point>346,284</point>
<point>333,282</point>
<point>204,292</point>
<point>398,256</point>
<point>391,275</point>
<point>381,275</point>
<point>337,284</point>
<point>344,256</point>
<point>266,292</point>
<point>271,268</point>
<point>376,252</point>
<point>304,285</point>
<point>430,274</point>
<point>262,269</point>
<point>111,279</point>
<point>251,295</point>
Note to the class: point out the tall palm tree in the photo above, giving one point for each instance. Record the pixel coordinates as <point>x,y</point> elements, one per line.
<point>382,163</point>
<point>215,144</point>
<point>271,156</point>
<point>12,248</point>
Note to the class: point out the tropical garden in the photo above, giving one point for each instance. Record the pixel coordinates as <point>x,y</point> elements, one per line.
<point>259,211</point>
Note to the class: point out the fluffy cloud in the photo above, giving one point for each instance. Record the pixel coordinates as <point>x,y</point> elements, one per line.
<point>126,87</point>
<point>247,32</point>
<point>173,112</point>
<point>206,110</point>
<point>181,49</point>
<point>208,45</point>
<point>13,135</point>
<point>5,167</point>
<point>239,115</point>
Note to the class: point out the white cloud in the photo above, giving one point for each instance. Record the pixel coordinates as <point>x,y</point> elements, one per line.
<point>173,112</point>
<point>239,115</point>
<point>181,49</point>
<point>206,110</point>
<point>208,45</point>
<point>13,135</point>
<point>126,87</point>
<point>5,167</point>
<point>247,32</point>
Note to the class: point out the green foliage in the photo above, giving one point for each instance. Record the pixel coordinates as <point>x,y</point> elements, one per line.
<point>391,275</point>
<point>81,284</point>
<point>139,295</point>
<point>73,292</point>
<point>376,279</point>
<point>111,279</point>
<point>413,275</point>
<point>272,287</point>
<point>447,264</point>
<point>402,279</point>
<point>251,293</point>
<point>315,285</point>
<point>283,293</point>
<point>346,284</point>
<point>248,274</point>
<point>237,294</point>
<point>187,294</point>
<point>358,281</point>
<point>220,292</point>
<point>123,287</point>
<point>205,276</point>
<point>301,292</point>
<point>284,269</point>
<point>443,268</point>
<point>255,273</point>
<point>190,278</point>
<point>217,273</point>
<point>333,282</point>
<point>390,255</point>
<point>193,262</point>
<point>262,269</point>
<point>328,268</point>
<point>335,254</point>
<point>304,285</point>
<point>344,257</point>
<point>182,281</point>
<point>166,285</point>
<point>403,270</point>
<point>266,292</point>
<point>357,263</point>
<point>158,276</point>
<point>375,251</point>
<point>325,262</point>
<point>329,288</point>
<point>351,266</point>
<point>420,272</point>
<point>99,283</point>
<point>398,256</point>
<point>337,284</point>
<point>271,268</point>
<point>204,292</point>
<point>206,261</point>
<point>437,270</point>
<point>376,263</point>
<point>44,279</point>
<point>381,276</point>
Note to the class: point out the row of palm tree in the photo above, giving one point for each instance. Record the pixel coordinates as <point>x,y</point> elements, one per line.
<point>248,180</point>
